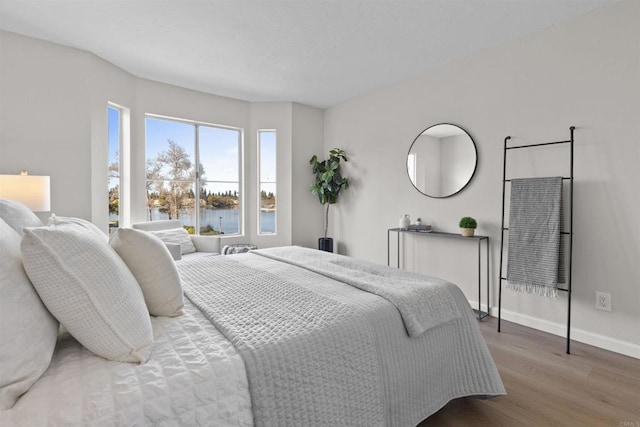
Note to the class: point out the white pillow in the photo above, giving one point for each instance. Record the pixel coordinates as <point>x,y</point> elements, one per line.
<point>152,265</point>
<point>89,289</point>
<point>176,235</point>
<point>18,215</point>
<point>59,220</point>
<point>28,332</point>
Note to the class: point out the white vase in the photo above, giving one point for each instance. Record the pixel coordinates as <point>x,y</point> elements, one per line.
<point>405,221</point>
<point>467,232</point>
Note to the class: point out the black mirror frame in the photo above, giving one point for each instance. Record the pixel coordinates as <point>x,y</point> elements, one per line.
<point>475,167</point>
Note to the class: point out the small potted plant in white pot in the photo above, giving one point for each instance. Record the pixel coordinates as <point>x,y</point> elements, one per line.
<point>468,226</point>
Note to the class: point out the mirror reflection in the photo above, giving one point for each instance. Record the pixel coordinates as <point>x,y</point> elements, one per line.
<point>442,160</point>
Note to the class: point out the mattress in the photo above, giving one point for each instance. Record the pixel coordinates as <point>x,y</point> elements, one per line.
<point>193,377</point>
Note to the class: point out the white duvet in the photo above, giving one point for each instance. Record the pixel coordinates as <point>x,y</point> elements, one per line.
<point>193,377</point>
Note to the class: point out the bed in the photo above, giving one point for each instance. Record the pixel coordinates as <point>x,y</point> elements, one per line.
<point>280,336</point>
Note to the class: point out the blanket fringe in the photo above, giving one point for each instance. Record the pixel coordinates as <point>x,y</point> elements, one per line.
<point>528,288</point>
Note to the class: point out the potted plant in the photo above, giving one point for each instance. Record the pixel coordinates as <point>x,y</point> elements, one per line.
<point>328,184</point>
<point>468,226</point>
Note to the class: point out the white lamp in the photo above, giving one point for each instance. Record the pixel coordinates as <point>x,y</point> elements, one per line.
<point>32,191</point>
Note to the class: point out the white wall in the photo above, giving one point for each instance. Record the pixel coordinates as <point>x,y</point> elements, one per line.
<point>586,73</point>
<point>308,136</point>
<point>53,121</point>
<point>45,118</point>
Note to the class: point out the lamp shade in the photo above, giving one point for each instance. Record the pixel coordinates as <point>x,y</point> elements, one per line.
<point>30,190</point>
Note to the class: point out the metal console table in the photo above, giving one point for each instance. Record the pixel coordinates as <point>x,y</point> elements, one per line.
<point>479,239</point>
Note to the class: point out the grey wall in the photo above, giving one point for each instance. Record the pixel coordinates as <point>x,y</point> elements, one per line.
<point>53,122</point>
<point>45,118</point>
<point>308,136</point>
<point>586,73</point>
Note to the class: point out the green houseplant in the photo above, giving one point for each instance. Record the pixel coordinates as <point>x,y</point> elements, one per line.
<point>327,186</point>
<point>468,226</point>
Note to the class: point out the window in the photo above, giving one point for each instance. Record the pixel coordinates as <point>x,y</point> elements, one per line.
<point>206,197</point>
<point>267,181</point>
<point>114,138</point>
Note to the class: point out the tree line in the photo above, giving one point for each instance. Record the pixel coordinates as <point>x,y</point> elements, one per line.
<point>169,185</point>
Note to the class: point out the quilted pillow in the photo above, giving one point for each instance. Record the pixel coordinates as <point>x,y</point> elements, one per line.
<point>59,220</point>
<point>17,215</point>
<point>176,235</point>
<point>28,332</point>
<point>89,289</point>
<point>152,265</point>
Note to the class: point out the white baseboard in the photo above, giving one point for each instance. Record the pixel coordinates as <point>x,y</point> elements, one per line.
<point>474,305</point>
<point>596,340</point>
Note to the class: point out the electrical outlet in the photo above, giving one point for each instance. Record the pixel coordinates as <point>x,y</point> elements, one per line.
<point>603,301</point>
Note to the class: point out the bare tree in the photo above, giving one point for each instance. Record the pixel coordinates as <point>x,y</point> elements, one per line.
<point>178,171</point>
<point>154,183</point>
<point>170,178</point>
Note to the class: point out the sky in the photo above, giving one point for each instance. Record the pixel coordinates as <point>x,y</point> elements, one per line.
<point>218,151</point>
<point>113,137</point>
<point>267,140</point>
<point>113,116</point>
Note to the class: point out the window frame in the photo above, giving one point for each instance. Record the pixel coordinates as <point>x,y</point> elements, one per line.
<point>197,182</point>
<point>260,182</point>
<point>121,205</point>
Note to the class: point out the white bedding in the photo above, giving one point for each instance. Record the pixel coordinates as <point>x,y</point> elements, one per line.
<point>193,377</point>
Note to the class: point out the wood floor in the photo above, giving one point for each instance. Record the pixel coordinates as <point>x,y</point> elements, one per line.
<point>547,387</point>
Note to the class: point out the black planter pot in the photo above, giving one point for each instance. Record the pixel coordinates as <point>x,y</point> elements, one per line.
<point>325,244</point>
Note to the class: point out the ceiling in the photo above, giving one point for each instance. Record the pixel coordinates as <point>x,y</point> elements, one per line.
<point>315,52</point>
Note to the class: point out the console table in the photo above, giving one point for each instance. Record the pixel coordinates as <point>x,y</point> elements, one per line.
<point>440,234</point>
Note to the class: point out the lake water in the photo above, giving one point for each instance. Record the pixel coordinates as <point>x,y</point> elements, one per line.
<point>226,219</point>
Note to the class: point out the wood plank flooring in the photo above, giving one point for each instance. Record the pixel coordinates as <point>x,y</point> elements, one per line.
<point>547,387</point>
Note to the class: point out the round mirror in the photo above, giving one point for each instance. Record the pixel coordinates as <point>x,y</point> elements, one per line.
<point>442,160</point>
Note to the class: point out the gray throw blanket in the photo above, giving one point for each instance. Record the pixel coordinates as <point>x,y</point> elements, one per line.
<point>310,361</point>
<point>423,302</point>
<point>303,351</point>
<point>534,258</point>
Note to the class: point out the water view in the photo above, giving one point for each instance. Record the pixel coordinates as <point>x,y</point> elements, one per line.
<point>225,220</point>
<point>189,176</point>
